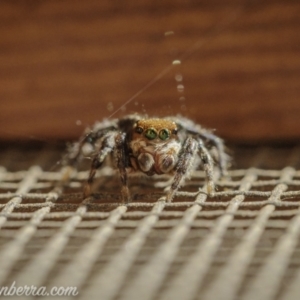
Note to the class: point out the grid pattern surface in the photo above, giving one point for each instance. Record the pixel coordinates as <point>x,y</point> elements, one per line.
<point>241,244</point>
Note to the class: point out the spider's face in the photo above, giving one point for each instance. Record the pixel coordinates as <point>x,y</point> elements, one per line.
<point>155,131</point>
<point>155,146</point>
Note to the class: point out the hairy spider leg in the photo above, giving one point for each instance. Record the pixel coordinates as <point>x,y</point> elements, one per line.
<point>183,166</point>
<point>69,162</point>
<point>223,158</point>
<point>121,164</point>
<point>72,157</point>
<point>75,154</point>
<point>208,167</point>
<point>107,146</point>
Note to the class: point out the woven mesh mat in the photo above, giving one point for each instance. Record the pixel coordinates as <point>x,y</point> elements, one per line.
<point>241,244</point>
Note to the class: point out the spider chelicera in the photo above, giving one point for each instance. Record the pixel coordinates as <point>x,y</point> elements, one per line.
<point>171,145</point>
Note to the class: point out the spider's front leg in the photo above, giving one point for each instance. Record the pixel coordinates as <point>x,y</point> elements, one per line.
<point>107,147</point>
<point>121,164</point>
<point>183,166</point>
<point>190,148</point>
<point>198,132</point>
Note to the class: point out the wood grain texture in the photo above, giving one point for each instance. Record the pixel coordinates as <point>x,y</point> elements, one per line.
<point>64,61</point>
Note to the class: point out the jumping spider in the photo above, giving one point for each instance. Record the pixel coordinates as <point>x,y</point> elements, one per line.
<point>171,145</point>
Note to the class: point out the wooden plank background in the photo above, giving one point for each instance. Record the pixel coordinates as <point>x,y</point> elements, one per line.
<point>65,64</point>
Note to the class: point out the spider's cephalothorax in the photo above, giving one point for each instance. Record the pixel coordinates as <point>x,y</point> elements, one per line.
<point>155,146</point>
<point>170,145</point>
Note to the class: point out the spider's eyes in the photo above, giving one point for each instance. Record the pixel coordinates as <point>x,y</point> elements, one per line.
<point>175,131</point>
<point>164,134</point>
<point>138,129</point>
<point>90,138</point>
<point>150,134</point>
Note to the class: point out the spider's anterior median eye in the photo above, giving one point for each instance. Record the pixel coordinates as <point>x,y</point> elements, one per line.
<point>139,129</point>
<point>90,138</point>
<point>150,134</point>
<point>164,134</point>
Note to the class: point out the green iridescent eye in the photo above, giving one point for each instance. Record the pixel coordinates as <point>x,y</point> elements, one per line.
<point>150,134</point>
<point>164,134</point>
